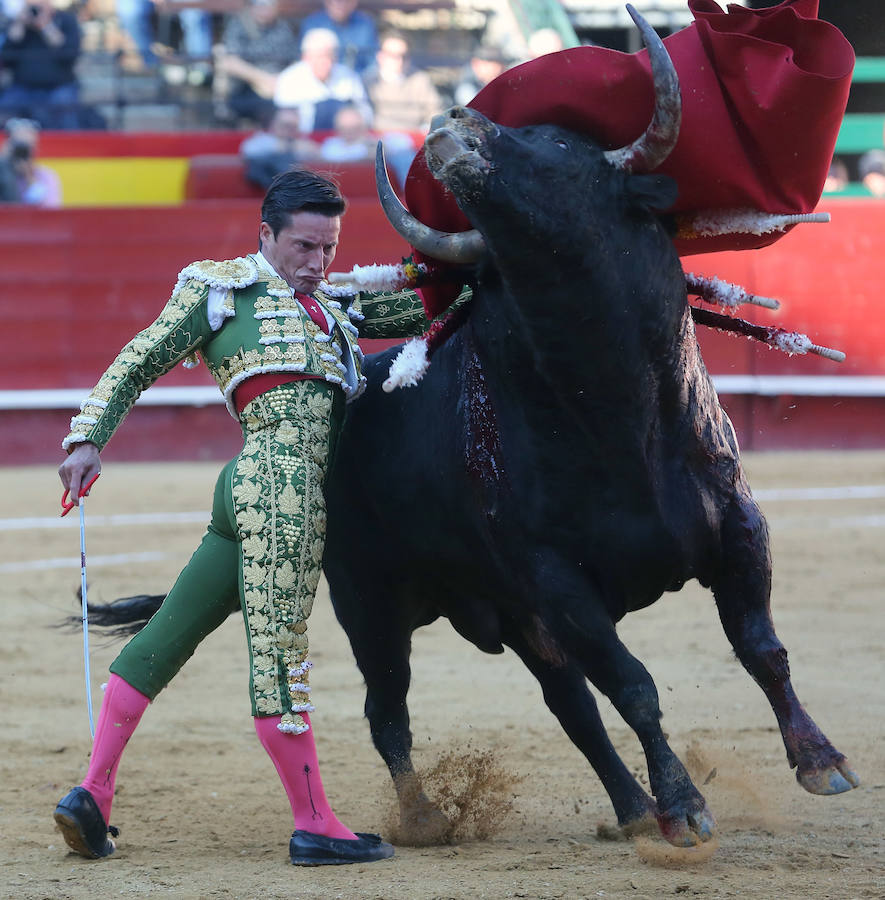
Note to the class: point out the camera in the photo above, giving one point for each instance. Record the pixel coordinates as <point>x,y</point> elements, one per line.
<point>20,150</point>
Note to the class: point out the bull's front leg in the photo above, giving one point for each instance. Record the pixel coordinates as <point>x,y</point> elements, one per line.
<point>422,823</point>
<point>380,637</point>
<point>578,620</point>
<point>742,593</point>
<point>683,815</point>
<point>569,699</point>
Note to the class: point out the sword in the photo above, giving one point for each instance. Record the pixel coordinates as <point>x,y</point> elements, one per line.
<point>67,506</point>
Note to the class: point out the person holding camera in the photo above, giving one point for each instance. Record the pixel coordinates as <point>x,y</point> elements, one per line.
<point>22,179</point>
<point>39,50</point>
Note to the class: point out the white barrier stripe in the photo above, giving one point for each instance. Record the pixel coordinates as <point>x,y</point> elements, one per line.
<point>805,523</point>
<point>801,385</point>
<point>71,398</point>
<point>209,395</point>
<point>846,492</point>
<point>72,563</point>
<point>788,523</point>
<point>114,521</point>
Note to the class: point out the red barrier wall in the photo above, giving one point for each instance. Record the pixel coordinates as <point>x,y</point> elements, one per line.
<point>77,284</point>
<point>829,279</point>
<point>121,143</point>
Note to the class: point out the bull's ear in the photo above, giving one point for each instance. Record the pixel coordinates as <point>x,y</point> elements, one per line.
<point>652,191</point>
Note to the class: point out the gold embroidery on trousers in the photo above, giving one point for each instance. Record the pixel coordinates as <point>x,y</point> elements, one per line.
<point>281,517</point>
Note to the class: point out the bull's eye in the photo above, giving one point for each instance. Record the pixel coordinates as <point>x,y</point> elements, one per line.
<point>563,144</point>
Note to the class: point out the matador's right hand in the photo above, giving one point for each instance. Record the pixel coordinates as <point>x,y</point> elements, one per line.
<point>80,469</point>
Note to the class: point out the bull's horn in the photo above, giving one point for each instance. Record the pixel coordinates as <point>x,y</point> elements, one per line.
<point>459,247</point>
<point>649,150</point>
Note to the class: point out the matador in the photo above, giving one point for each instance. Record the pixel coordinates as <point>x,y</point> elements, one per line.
<point>286,358</point>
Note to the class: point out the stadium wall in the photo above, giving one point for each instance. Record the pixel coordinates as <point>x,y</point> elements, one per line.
<point>78,283</point>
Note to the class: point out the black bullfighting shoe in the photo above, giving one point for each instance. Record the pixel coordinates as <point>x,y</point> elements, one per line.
<point>308,849</point>
<point>83,826</point>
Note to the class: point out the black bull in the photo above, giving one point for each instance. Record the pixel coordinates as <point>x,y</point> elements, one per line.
<point>564,461</point>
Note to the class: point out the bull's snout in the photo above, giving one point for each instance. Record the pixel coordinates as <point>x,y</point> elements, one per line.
<point>440,120</point>
<point>463,120</point>
<point>454,136</point>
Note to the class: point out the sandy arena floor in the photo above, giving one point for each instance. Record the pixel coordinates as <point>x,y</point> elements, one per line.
<point>201,811</point>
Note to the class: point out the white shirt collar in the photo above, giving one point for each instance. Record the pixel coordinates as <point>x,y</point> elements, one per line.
<point>261,259</point>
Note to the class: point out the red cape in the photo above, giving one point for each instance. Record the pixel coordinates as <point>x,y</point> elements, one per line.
<point>763,95</point>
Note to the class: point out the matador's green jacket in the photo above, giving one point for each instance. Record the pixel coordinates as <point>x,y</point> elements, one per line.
<point>265,330</point>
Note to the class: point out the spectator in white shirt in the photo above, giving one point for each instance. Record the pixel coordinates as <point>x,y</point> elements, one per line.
<point>318,85</point>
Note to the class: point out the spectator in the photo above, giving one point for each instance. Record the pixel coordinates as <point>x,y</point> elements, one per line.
<point>256,45</point>
<point>352,140</point>
<point>196,29</point>
<point>318,86</point>
<point>403,99</point>
<point>9,9</point>
<point>486,64</point>
<point>276,147</point>
<point>837,177</point>
<point>39,50</point>
<point>871,169</point>
<point>22,178</point>
<point>355,29</point>
<point>137,17</point>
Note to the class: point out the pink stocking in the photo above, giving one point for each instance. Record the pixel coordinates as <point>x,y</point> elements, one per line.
<point>121,711</point>
<point>295,758</point>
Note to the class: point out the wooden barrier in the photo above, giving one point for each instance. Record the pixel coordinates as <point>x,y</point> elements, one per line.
<point>107,144</point>
<point>78,283</point>
<point>103,274</point>
<point>218,176</point>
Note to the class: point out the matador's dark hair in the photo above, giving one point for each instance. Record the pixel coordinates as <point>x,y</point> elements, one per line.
<point>300,190</point>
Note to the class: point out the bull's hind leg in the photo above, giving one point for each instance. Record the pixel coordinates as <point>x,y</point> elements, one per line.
<point>742,591</point>
<point>569,699</point>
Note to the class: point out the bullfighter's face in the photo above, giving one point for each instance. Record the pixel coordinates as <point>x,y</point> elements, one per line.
<point>302,250</point>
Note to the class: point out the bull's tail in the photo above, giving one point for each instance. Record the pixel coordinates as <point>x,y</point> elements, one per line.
<point>124,616</point>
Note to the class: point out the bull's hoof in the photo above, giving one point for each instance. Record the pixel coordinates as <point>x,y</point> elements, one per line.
<point>834,779</point>
<point>687,829</point>
<point>424,825</point>
<point>642,819</point>
<point>644,825</point>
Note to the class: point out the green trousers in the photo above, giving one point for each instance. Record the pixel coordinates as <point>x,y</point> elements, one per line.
<point>262,553</point>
